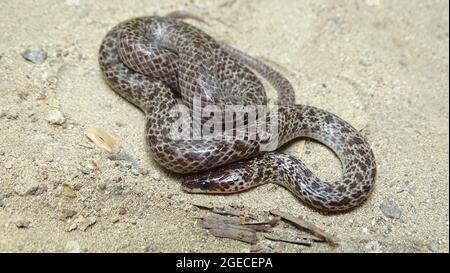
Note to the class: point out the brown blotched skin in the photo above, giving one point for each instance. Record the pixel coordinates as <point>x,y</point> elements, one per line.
<point>149,60</point>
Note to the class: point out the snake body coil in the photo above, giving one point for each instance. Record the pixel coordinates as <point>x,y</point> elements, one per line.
<point>149,60</point>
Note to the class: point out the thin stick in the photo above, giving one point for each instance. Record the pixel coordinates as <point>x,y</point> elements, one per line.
<point>306,226</point>
<point>224,211</point>
<point>303,243</point>
<point>272,222</point>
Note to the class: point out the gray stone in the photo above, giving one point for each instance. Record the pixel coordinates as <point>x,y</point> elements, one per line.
<point>37,57</point>
<point>102,186</point>
<point>23,224</point>
<point>433,247</point>
<point>150,249</point>
<point>347,248</point>
<point>26,187</point>
<point>118,190</point>
<point>72,247</point>
<point>390,209</point>
<point>72,2</point>
<point>374,247</point>
<point>41,190</point>
<point>55,117</point>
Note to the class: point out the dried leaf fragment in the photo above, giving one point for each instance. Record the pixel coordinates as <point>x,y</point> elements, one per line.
<point>247,236</point>
<point>228,227</point>
<point>67,190</point>
<point>102,139</point>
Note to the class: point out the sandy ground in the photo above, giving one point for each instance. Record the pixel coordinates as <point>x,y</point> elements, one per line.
<point>381,65</point>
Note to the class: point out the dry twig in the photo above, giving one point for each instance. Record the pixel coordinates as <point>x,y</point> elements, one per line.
<point>306,226</point>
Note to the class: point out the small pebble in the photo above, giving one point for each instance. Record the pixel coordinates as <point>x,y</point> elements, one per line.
<point>200,5</point>
<point>84,170</point>
<point>41,137</point>
<point>2,203</point>
<point>23,95</point>
<point>80,222</point>
<point>26,187</point>
<point>23,224</point>
<point>149,249</point>
<point>347,247</point>
<point>41,190</point>
<point>102,186</point>
<point>374,247</point>
<point>135,172</point>
<point>390,209</point>
<point>122,211</point>
<point>72,2</point>
<point>383,163</point>
<point>67,126</point>
<point>44,175</point>
<point>118,190</point>
<point>122,157</point>
<point>66,213</point>
<point>117,179</point>
<point>72,247</point>
<point>37,57</point>
<point>56,184</point>
<point>433,247</point>
<point>8,165</point>
<point>55,117</point>
<point>373,221</point>
<point>77,186</point>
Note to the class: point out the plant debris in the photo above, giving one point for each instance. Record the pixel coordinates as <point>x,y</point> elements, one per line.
<point>228,227</point>
<point>239,224</point>
<point>225,211</point>
<point>302,242</point>
<point>67,190</point>
<point>80,222</point>
<point>306,226</point>
<point>102,139</point>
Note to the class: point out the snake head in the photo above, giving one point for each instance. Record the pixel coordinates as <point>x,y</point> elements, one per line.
<point>210,183</point>
<point>200,183</point>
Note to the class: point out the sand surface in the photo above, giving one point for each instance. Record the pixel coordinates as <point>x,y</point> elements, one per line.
<point>381,65</point>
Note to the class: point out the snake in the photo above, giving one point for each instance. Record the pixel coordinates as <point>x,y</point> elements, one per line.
<point>160,62</point>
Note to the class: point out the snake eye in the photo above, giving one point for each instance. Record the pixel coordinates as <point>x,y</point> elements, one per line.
<point>204,185</point>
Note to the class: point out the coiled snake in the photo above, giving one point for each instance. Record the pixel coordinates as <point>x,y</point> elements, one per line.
<point>150,60</point>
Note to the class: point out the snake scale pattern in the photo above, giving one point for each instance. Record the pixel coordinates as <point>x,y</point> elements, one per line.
<point>150,61</point>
